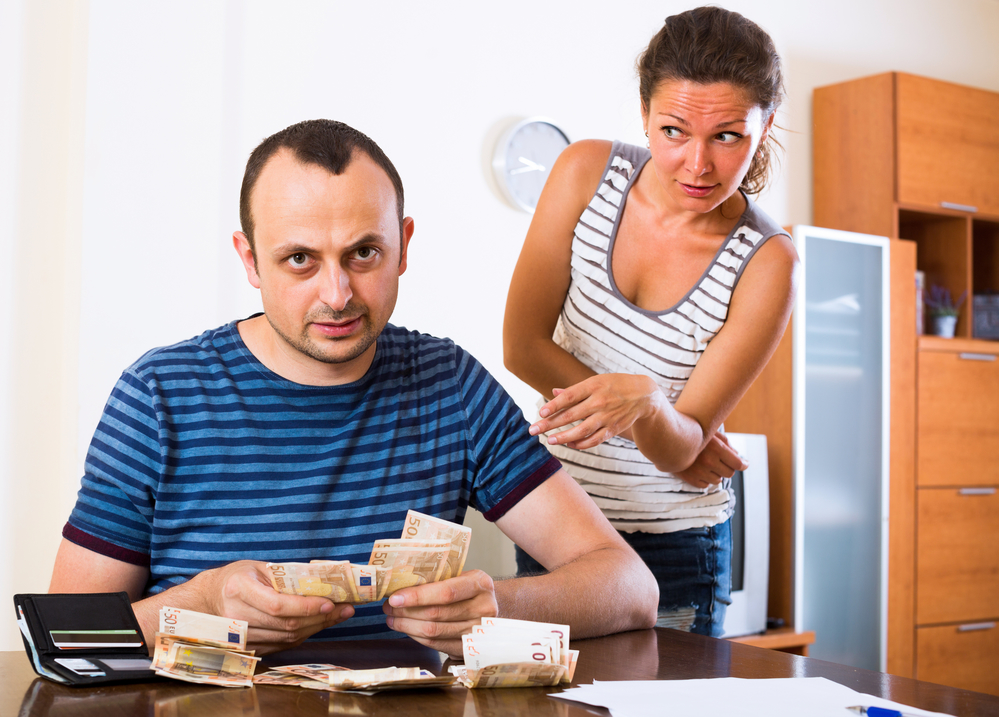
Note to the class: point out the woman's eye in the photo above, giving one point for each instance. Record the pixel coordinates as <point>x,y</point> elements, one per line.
<point>672,132</point>
<point>729,137</point>
<point>298,260</point>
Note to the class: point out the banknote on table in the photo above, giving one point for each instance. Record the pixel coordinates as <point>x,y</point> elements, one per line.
<point>191,660</point>
<point>386,678</point>
<point>313,671</point>
<point>224,631</point>
<point>481,650</point>
<point>426,527</point>
<point>566,657</point>
<point>333,579</point>
<point>522,674</point>
<point>410,565</point>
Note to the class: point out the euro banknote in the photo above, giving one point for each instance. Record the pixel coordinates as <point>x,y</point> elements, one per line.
<point>224,631</point>
<point>185,659</point>
<point>420,526</point>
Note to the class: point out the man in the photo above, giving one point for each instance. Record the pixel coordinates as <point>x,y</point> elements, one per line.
<point>306,432</point>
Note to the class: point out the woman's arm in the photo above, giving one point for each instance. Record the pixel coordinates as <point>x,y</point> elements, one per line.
<point>541,279</point>
<point>673,437</point>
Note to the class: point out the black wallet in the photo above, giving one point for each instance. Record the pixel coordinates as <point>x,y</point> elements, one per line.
<point>83,639</point>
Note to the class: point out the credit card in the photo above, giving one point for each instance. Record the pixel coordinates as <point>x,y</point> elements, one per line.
<point>79,639</point>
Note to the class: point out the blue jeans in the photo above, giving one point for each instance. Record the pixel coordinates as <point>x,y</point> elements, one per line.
<point>694,571</point>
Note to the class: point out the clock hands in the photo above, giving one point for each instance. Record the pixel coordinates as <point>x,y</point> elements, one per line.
<point>531,167</point>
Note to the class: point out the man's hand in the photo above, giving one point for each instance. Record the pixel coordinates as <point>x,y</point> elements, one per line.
<point>438,614</point>
<point>718,460</point>
<point>606,405</point>
<point>243,591</point>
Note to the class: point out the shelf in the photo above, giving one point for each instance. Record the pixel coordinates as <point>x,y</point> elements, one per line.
<point>783,639</point>
<point>958,345</point>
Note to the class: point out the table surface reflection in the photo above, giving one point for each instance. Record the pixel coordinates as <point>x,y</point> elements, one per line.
<point>642,655</point>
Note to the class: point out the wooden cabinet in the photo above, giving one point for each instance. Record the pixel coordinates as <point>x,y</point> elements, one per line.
<point>913,158</point>
<point>918,159</point>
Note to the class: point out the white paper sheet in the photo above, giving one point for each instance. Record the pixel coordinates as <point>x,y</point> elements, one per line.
<point>730,696</point>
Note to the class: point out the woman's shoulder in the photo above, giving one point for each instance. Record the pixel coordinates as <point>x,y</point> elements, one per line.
<point>583,164</point>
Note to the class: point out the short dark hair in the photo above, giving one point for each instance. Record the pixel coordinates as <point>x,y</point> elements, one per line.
<point>326,143</point>
<point>711,44</point>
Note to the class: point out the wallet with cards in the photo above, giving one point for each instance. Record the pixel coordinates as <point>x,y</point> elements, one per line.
<point>84,638</point>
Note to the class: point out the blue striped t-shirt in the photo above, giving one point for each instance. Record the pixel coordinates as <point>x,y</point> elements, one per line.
<point>203,456</point>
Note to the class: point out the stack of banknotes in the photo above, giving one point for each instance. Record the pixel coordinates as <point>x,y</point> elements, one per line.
<point>429,550</point>
<point>502,652</point>
<point>340,679</point>
<point>205,649</point>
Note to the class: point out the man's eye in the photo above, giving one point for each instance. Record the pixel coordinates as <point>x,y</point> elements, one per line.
<point>298,259</point>
<point>365,252</point>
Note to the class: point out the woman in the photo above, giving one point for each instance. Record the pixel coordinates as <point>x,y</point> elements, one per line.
<point>650,293</point>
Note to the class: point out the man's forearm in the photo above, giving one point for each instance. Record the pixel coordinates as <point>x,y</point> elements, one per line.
<point>190,595</point>
<point>603,592</point>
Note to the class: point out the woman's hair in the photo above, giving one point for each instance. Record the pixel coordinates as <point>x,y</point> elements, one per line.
<point>711,44</point>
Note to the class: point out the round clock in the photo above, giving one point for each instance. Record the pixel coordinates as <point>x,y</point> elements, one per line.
<point>523,158</point>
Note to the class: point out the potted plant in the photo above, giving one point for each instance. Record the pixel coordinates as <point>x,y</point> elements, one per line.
<point>942,310</point>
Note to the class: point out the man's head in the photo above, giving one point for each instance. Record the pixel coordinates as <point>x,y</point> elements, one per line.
<point>326,143</point>
<point>328,246</point>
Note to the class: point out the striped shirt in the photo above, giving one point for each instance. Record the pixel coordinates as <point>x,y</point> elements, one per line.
<point>203,456</point>
<point>609,334</point>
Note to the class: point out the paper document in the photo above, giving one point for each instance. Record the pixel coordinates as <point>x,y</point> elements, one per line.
<point>779,697</point>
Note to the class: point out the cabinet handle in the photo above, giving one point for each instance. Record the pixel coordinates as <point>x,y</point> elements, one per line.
<point>977,491</point>
<point>976,357</point>
<point>959,207</point>
<point>976,626</point>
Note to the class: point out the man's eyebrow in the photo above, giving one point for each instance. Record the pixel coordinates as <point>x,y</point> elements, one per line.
<point>294,247</point>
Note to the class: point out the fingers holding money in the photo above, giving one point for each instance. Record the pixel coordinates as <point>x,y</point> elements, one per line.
<point>439,613</point>
<point>276,621</point>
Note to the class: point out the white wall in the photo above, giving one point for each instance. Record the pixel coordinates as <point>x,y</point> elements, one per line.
<point>122,148</point>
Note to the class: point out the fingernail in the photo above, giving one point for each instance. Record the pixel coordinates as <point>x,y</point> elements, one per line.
<point>347,612</point>
<point>552,440</point>
<point>534,430</point>
<point>390,621</point>
<point>326,608</point>
<point>397,601</point>
<point>544,412</point>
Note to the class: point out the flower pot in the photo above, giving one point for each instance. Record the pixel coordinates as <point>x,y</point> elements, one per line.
<point>944,326</point>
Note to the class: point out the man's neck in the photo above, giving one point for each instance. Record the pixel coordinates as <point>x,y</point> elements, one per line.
<point>270,349</point>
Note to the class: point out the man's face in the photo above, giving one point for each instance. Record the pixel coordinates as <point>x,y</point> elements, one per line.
<point>328,261</point>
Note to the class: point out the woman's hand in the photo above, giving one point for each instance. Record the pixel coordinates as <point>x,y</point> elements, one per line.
<point>605,405</point>
<point>718,460</point>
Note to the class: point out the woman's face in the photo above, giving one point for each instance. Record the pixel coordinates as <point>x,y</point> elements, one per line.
<point>702,139</point>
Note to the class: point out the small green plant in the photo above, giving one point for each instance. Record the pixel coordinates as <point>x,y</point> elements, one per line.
<point>939,303</point>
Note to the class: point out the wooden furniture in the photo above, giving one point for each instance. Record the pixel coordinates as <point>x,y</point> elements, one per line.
<point>784,639</point>
<point>656,654</point>
<point>918,159</point>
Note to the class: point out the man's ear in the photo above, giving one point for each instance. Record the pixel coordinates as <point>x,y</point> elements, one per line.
<point>407,233</point>
<point>242,246</point>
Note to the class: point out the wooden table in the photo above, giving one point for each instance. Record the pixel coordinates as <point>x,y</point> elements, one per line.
<point>644,655</point>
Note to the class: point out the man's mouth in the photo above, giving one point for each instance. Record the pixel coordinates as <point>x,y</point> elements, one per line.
<point>337,329</point>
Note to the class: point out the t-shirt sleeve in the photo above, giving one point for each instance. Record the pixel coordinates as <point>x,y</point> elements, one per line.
<point>510,462</point>
<point>114,508</point>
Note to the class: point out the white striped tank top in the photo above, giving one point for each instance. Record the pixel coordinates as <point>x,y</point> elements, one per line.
<point>609,334</point>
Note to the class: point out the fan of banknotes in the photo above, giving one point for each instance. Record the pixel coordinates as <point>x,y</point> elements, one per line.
<point>502,652</point>
<point>205,649</point>
<point>340,679</point>
<point>429,550</point>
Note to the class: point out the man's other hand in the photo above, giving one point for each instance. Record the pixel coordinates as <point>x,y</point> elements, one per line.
<point>438,614</point>
<point>243,591</point>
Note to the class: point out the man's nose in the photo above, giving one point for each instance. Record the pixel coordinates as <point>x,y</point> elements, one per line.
<point>334,290</point>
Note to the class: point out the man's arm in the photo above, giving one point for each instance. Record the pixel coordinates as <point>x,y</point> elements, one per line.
<point>239,590</point>
<point>597,583</point>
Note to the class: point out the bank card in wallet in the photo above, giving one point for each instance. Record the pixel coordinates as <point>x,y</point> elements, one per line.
<point>82,639</point>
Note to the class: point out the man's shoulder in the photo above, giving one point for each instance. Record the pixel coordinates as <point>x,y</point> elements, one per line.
<point>403,346</point>
<point>212,348</point>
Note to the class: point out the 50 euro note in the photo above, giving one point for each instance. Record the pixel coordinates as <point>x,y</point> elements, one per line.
<point>517,674</point>
<point>223,631</point>
<point>409,566</point>
<point>510,626</point>
<point>333,579</point>
<point>191,660</point>
<point>420,526</point>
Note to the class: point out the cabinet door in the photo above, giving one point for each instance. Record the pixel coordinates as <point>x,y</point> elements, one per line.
<point>965,656</point>
<point>958,419</point>
<point>948,147</point>
<point>957,561</point>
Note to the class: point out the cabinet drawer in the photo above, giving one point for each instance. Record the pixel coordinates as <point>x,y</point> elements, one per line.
<point>957,561</point>
<point>965,656</point>
<point>955,156</point>
<point>958,419</point>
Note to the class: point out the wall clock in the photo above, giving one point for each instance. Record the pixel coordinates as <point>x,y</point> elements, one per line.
<point>523,159</point>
